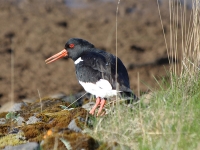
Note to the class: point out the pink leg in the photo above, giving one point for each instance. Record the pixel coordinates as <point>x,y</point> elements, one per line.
<point>98,101</point>
<point>102,103</point>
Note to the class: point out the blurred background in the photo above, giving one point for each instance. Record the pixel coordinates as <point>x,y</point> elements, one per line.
<point>33,30</point>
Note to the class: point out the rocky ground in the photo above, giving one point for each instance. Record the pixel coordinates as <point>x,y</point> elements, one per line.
<point>33,30</point>
<point>47,120</point>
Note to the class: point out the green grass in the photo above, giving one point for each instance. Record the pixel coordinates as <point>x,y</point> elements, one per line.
<point>171,120</point>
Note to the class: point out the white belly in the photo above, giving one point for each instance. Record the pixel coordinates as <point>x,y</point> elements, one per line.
<point>102,88</point>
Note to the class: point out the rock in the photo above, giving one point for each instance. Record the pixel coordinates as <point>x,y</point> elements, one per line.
<point>14,131</point>
<point>32,120</point>
<point>58,95</point>
<point>8,107</point>
<point>88,106</point>
<point>16,107</point>
<point>20,120</point>
<point>2,120</point>
<point>26,146</point>
<point>28,100</point>
<point>73,126</point>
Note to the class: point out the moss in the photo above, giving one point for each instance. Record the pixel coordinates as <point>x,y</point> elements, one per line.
<point>110,146</point>
<point>3,114</point>
<point>63,118</point>
<point>47,105</point>
<point>76,140</point>
<point>43,117</point>
<point>60,119</point>
<point>79,123</point>
<point>81,141</point>
<point>54,119</point>
<point>44,99</point>
<point>79,112</point>
<point>24,107</point>
<point>85,101</point>
<point>55,108</point>
<point>35,132</point>
<point>4,129</point>
<point>26,115</point>
<point>11,139</point>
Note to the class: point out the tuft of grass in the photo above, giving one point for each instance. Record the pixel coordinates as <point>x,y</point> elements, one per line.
<point>170,121</point>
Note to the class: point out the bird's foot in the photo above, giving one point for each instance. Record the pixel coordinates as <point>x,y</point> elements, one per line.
<point>100,102</point>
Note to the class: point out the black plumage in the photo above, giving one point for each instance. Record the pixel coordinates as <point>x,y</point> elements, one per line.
<point>94,65</point>
<point>97,64</point>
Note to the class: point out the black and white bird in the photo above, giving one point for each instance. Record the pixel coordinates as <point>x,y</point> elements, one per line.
<point>96,71</point>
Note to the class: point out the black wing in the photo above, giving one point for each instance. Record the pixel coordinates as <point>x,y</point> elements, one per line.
<point>102,65</point>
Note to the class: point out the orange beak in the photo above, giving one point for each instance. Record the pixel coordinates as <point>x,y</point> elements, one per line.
<point>57,56</point>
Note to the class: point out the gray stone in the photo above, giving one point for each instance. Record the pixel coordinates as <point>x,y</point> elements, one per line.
<point>16,107</point>
<point>20,120</point>
<point>10,106</point>
<point>32,120</point>
<point>73,126</point>
<point>13,131</point>
<point>29,100</point>
<point>58,95</point>
<point>88,106</point>
<point>2,120</point>
<point>26,146</point>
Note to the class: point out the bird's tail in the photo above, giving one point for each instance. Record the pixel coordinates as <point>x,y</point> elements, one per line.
<point>128,97</point>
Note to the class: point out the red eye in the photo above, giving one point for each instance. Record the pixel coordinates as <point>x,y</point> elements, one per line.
<point>71,45</point>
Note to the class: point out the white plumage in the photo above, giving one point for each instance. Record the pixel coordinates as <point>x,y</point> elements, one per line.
<point>101,88</point>
<point>78,61</point>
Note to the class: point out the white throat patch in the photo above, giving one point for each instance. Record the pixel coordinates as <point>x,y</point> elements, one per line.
<point>78,61</point>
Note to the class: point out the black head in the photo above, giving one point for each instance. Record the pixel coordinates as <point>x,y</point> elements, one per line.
<point>73,49</point>
<point>76,47</point>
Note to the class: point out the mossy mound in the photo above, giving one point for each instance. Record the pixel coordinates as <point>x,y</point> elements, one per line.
<point>50,123</point>
<point>55,121</point>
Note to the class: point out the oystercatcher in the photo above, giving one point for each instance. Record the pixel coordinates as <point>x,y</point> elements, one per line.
<point>96,71</point>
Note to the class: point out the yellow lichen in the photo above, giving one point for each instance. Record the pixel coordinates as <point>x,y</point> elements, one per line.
<point>11,139</point>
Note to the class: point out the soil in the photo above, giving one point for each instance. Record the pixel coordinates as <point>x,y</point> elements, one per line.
<point>33,30</point>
